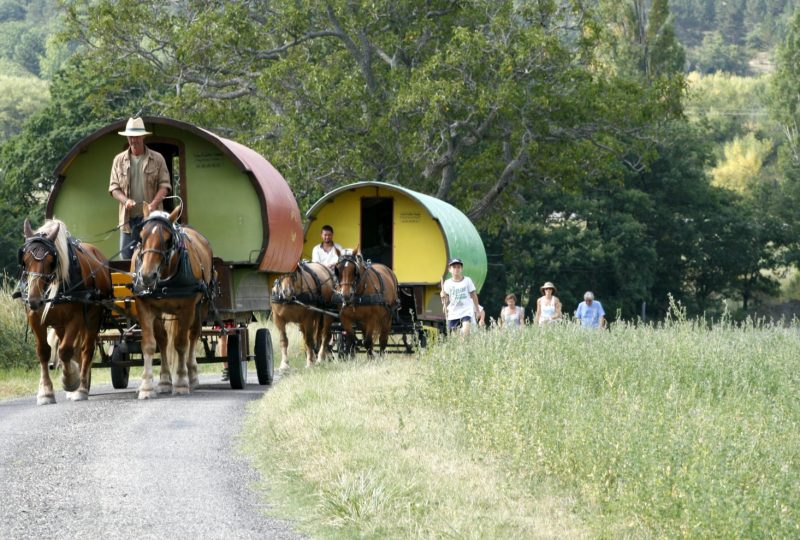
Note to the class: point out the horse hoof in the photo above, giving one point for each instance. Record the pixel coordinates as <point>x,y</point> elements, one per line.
<point>147,394</point>
<point>78,395</point>
<point>284,367</point>
<point>45,400</point>
<point>194,383</point>
<point>180,390</point>
<point>164,388</point>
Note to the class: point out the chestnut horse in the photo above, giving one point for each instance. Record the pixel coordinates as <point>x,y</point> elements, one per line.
<point>173,283</point>
<point>369,297</point>
<point>63,285</point>
<point>301,297</point>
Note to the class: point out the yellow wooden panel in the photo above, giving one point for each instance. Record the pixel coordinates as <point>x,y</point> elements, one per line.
<point>118,278</point>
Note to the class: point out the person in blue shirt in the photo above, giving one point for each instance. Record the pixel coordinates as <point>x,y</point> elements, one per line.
<point>590,312</point>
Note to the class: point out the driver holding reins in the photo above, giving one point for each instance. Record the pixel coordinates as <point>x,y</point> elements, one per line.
<point>138,174</point>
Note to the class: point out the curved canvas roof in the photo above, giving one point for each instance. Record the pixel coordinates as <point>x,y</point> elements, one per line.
<point>461,238</point>
<point>280,219</point>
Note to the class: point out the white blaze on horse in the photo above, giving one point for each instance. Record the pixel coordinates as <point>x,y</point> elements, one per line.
<point>369,295</point>
<point>173,284</point>
<point>301,297</point>
<point>63,285</point>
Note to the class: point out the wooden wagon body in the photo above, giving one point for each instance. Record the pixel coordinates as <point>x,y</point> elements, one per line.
<point>412,233</point>
<point>229,192</point>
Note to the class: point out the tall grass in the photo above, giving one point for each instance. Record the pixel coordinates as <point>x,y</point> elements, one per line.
<point>17,349</point>
<point>684,429</point>
<point>679,430</point>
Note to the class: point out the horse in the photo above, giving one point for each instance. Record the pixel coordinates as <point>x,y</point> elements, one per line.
<point>369,296</point>
<point>173,284</point>
<point>62,286</point>
<point>298,297</point>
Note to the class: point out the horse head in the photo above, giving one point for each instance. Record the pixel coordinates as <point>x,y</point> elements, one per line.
<point>288,286</point>
<point>158,250</point>
<point>41,259</point>
<point>348,273</point>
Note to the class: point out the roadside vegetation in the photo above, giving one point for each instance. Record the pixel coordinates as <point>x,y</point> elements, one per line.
<point>683,429</point>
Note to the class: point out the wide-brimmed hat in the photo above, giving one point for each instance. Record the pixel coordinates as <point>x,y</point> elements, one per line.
<point>455,261</point>
<point>547,285</point>
<point>134,128</point>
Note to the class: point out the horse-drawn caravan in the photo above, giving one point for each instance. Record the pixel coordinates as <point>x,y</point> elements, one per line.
<point>227,192</point>
<point>410,232</point>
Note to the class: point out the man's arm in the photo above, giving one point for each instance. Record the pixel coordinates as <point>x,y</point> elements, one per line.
<point>156,202</point>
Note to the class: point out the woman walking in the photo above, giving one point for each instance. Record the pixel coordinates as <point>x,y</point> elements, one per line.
<point>548,306</point>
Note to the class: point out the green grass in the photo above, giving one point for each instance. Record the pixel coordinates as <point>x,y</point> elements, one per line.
<point>681,430</point>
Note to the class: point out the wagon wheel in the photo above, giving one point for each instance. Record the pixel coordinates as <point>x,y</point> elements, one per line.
<point>237,367</point>
<point>119,373</point>
<point>263,353</point>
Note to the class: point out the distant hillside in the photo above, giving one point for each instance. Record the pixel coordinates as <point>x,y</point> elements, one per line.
<point>736,36</point>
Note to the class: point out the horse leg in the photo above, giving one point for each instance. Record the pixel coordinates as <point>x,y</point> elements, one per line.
<point>180,333</point>
<point>45,395</point>
<point>85,340</point>
<point>348,335</point>
<point>70,372</point>
<point>324,337</point>
<point>194,335</point>
<point>386,327</point>
<point>167,352</point>
<point>369,330</point>
<point>308,328</point>
<point>146,321</point>
<point>280,324</point>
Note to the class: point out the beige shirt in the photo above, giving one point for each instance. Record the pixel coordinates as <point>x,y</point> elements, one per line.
<point>155,175</point>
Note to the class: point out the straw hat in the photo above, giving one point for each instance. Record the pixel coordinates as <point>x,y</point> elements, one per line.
<point>548,285</point>
<point>134,128</point>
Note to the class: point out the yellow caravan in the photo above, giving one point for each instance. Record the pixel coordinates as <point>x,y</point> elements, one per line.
<point>413,233</point>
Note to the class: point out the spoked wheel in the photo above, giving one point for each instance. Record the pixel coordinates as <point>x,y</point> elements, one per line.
<point>264,360</point>
<point>237,362</point>
<point>120,373</point>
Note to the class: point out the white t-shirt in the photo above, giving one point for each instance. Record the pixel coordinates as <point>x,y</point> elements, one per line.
<point>328,258</point>
<point>461,304</point>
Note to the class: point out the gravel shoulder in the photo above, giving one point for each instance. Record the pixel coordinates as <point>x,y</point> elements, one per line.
<point>117,467</point>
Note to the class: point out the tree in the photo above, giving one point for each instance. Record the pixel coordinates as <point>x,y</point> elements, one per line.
<point>458,99</point>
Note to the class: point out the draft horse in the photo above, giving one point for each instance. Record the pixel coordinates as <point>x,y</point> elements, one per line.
<point>173,284</point>
<point>369,296</point>
<point>63,285</point>
<point>302,297</point>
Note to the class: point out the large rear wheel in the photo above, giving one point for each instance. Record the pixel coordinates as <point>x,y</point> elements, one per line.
<point>264,360</point>
<point>237,362</point>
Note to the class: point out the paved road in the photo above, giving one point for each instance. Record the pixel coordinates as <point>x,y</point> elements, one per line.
<point>115,467</point>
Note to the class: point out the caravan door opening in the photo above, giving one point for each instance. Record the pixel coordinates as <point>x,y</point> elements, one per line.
<point>377,229</point>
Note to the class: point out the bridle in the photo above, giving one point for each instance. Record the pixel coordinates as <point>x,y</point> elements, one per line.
<point>344,260</point>
<point>164,253</point>
<point>39,247</point>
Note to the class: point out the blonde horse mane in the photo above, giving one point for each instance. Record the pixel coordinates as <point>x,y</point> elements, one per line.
<point>62,267</point>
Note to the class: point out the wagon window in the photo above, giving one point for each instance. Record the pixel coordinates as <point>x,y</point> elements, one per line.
<point>377,229</point>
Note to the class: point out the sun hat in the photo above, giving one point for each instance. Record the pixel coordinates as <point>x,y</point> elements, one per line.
<point>134,128</point>
<point>547,285</point>
<point>455,261</point>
